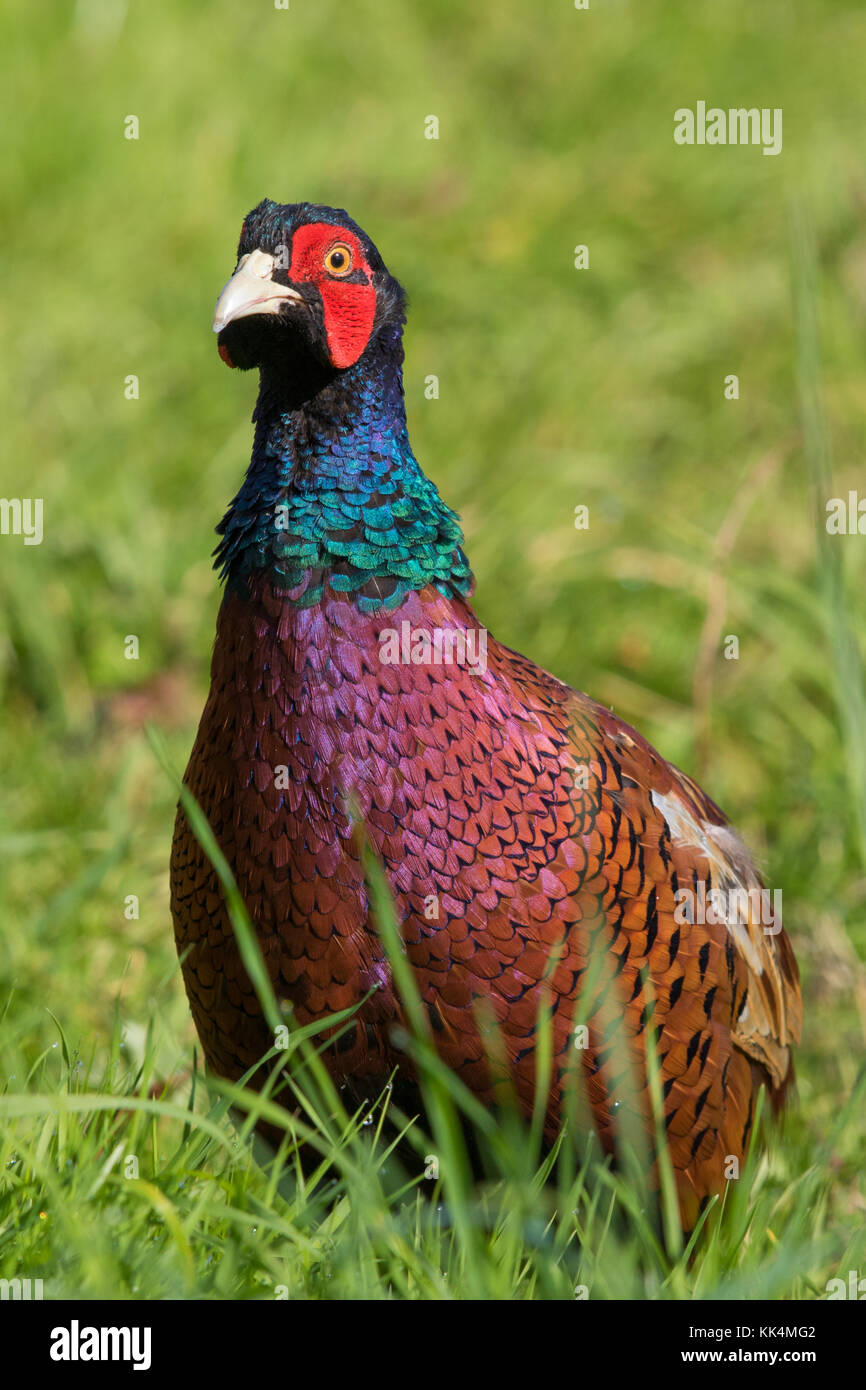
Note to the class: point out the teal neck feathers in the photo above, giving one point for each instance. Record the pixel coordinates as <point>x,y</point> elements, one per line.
<point>334,497</point>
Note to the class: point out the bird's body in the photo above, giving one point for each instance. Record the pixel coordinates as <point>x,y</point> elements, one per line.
<point>523,829</point>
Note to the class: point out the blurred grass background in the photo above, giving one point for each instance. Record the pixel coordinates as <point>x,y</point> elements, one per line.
<point>557,387</point>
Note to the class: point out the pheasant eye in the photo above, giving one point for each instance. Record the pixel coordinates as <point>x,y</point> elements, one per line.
<point>339,259</point>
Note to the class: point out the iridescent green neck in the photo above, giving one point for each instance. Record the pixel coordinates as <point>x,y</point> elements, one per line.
<point>334,496</point>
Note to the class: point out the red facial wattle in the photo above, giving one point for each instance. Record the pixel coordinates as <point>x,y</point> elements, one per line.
<point>349,306</point>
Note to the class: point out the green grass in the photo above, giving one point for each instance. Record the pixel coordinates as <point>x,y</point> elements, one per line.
<point>557,387</point>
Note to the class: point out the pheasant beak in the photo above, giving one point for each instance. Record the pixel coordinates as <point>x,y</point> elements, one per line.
<point>251,291</point>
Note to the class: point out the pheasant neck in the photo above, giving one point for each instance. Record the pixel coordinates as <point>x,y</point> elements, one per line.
<point>334,497</point>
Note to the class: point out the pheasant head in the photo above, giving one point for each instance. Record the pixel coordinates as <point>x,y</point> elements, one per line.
<point>310,294</point>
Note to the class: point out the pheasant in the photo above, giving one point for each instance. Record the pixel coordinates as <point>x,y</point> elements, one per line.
<point>525,831</point>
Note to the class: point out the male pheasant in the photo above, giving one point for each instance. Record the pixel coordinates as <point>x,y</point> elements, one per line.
<point>523,829</point>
